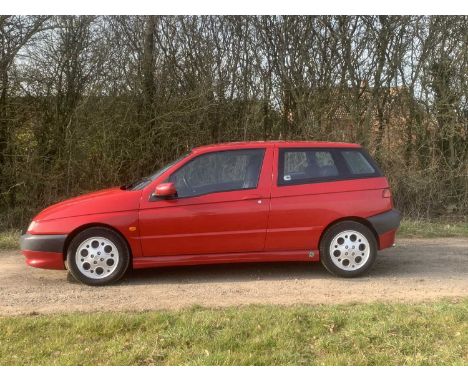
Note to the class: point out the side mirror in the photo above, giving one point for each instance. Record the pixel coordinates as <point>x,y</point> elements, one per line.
<point>165,190</point>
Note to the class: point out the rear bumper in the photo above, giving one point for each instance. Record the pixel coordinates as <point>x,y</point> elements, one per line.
<point>388,221</point>
<point>43,251</point>
<point>386,225</point>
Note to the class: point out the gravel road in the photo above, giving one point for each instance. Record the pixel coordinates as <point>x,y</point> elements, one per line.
<point>415,270</point>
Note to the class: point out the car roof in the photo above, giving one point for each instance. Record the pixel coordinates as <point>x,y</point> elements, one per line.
<point>259,144</point>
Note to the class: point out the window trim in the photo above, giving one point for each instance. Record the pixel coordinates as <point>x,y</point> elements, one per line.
<point>262,149</point>
<point>344,172</point>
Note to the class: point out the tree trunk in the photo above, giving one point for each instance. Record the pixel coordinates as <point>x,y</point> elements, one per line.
<point>148,71</point>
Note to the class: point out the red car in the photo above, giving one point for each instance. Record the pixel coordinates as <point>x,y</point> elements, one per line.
<point>226,203</point>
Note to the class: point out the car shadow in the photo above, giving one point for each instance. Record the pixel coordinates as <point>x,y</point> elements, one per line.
<point>214,273</point>
<point>399,263</point>
<point>385,266</point>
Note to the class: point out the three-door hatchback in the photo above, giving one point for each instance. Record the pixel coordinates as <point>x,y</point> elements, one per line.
<point>226,203</point>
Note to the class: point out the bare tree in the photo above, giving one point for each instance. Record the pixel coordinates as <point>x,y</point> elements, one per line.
<point>87,102</point>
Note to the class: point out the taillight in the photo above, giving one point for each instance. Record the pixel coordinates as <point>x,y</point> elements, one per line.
<point>386,193</point>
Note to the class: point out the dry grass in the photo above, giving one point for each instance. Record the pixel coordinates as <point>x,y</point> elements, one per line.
<point>9,239</point>
<point>425,228</point>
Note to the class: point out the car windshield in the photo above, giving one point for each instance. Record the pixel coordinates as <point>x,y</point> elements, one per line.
<point>143,182</point>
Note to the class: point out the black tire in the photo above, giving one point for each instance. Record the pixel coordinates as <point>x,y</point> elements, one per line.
<point>110,235</point>
<point>326,255</point>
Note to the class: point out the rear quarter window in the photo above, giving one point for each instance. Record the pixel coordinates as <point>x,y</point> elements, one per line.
<point>313,165</point>
<point>357,163</point>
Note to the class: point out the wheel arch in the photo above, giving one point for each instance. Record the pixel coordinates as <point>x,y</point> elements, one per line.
<point>81,228</point>
<point>356,219</point>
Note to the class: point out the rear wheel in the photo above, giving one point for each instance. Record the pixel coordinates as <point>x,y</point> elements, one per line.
<point>348,249</point>
<point>97,256</point>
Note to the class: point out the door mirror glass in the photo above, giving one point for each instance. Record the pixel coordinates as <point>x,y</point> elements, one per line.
<point>165,190</point>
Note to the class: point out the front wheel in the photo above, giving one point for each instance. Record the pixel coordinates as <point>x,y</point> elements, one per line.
<point>348,249</point>
<point>97,256</point>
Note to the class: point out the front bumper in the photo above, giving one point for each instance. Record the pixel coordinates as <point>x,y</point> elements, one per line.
<point>43,251</point>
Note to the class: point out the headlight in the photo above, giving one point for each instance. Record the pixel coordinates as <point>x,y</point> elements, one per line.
<point>32,226</point>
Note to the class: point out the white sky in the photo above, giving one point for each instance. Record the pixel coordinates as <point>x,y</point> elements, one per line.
<point>314,7</point>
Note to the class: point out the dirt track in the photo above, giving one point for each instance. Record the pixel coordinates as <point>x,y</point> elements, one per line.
<point>416,270</point>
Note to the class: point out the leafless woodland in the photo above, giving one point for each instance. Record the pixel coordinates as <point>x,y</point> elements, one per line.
<point>88,102</point>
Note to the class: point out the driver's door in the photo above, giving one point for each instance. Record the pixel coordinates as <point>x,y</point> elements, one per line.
<point>222,206</point>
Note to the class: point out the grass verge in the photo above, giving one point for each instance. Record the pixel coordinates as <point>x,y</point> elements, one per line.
<point>428,228</point>
<point>9,239</point>
<point>361,334</point>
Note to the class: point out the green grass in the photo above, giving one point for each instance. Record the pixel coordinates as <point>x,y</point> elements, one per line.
<point>427,228</point>
<point>359,334</point>
<point>9,239</point>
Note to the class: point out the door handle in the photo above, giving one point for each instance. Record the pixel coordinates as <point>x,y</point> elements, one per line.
<point>249,197</point>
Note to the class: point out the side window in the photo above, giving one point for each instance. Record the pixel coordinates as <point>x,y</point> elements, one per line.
<point>295,165</point>
<point>357,163</point>
<point>306,165</point>
<point>219,171</point>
